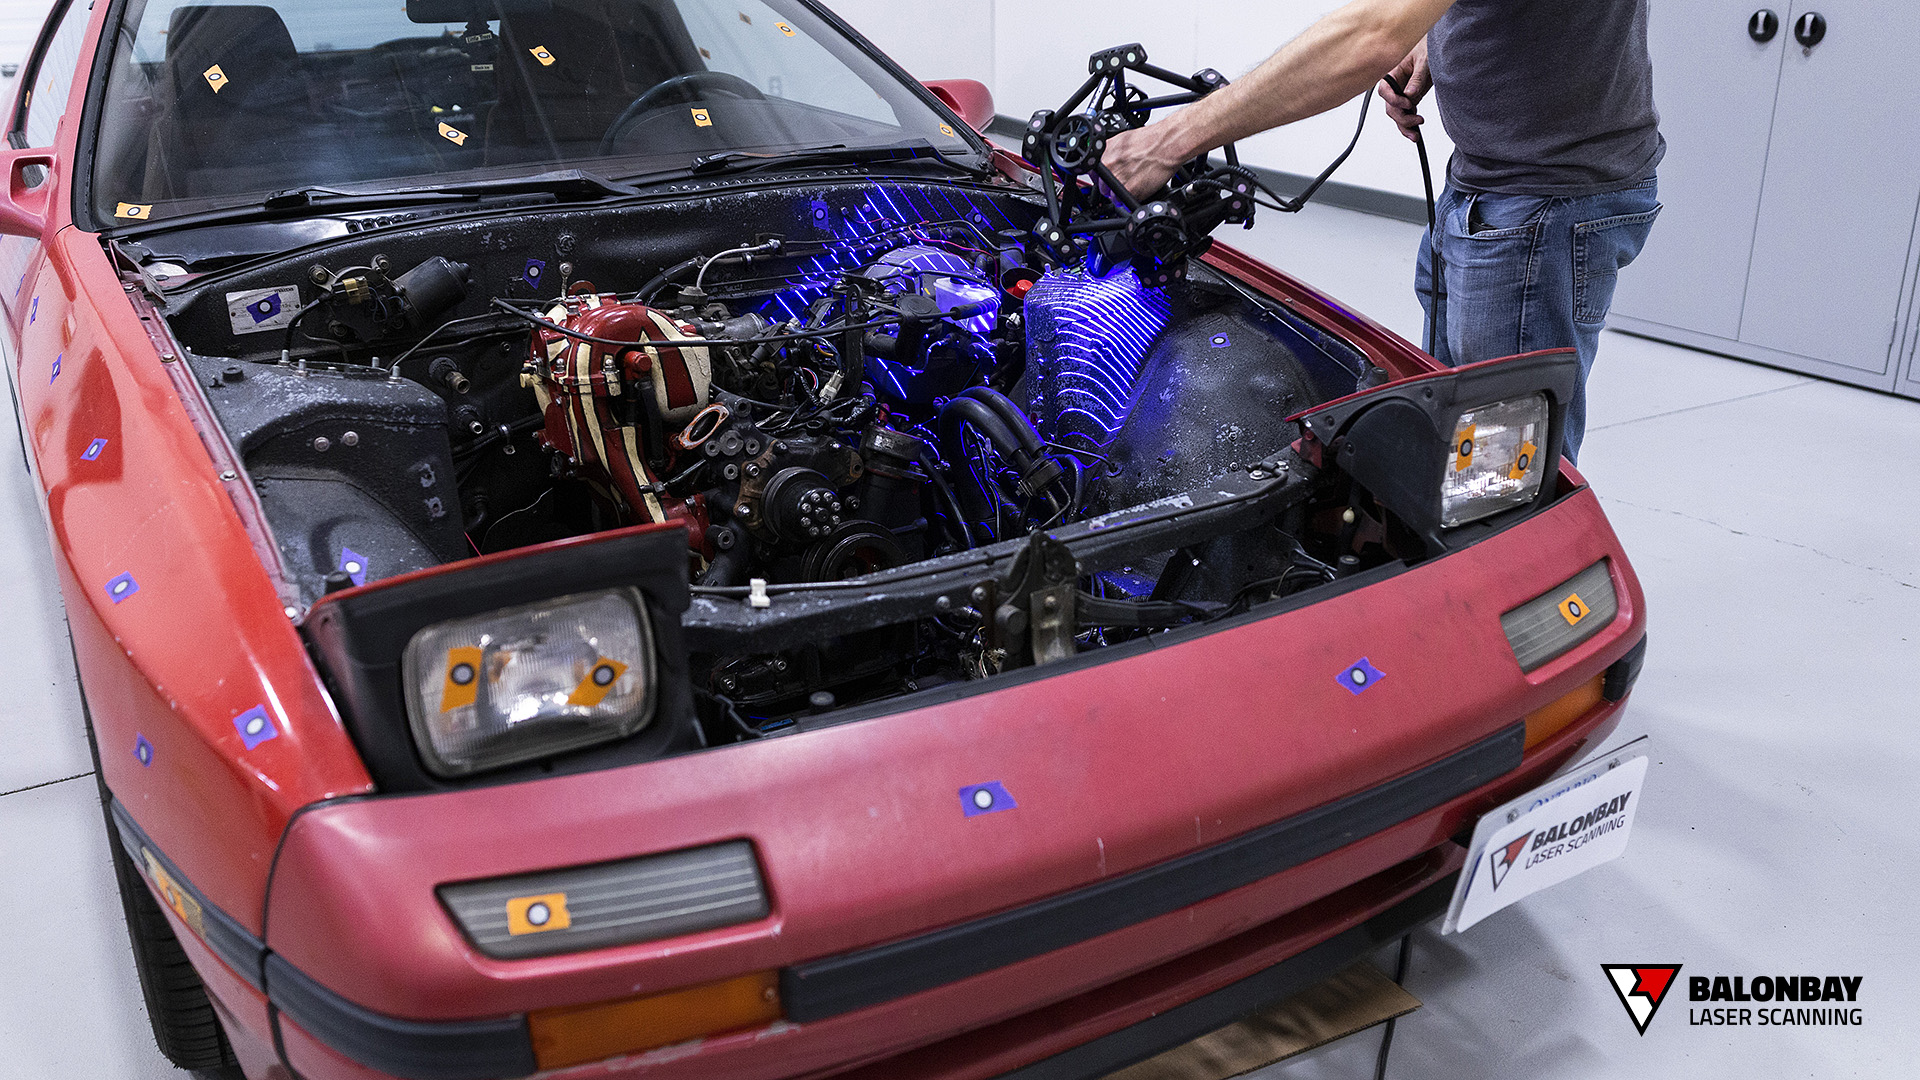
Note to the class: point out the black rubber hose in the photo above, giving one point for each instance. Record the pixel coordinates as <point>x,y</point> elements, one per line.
<point>659,280</point>
<point>963,412</point>
<point>1016,420</point>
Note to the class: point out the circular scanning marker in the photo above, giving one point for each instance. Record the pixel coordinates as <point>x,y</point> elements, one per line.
<point>256,725</point>
<point>1575,610</point>
<point>983,799</point>
<point>462,674</point>
<point>351,567</point>
<point>1359,675</point>
<point>539,914</point>
<point>119,587</point>
<point>1466,447</point>
<point>604,675</point>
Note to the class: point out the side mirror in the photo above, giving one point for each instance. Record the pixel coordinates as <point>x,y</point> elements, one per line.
<point>26,191</point>
<point>968,97</point>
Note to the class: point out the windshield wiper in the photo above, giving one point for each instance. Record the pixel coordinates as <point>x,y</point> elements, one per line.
<point>561,183</point>
<point>565,184</point>
<point>740,161</point>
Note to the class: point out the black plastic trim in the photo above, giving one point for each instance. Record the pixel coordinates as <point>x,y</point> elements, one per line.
<point>1624,672</point>
<point>358,638</point>
<point>857,980</point>
<point>409,1049</point>
<point>1111,1053</point>
<point>223,934</point>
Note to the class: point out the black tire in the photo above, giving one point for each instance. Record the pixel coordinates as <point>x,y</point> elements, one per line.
<point>185,1025</point>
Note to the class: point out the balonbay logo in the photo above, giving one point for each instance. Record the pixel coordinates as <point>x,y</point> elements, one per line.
<point>1641,988</point>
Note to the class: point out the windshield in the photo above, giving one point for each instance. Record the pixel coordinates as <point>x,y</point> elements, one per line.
<point>217,104</point>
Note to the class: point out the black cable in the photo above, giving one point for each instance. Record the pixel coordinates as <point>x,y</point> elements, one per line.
<point>1434,270</point>
<point>1386,1037</point>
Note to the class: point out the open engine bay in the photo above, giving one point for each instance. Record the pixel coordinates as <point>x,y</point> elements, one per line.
<point>909,447</point>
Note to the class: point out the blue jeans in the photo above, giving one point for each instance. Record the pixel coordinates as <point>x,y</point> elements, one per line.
<point>1529,272</point>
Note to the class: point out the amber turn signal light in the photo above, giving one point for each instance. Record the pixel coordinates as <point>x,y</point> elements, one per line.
<point>577,1034</point>
<point>1544,724</point>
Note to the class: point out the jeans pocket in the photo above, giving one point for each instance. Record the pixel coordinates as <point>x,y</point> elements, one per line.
<point>1600,249</point>
<point>1490,217</point>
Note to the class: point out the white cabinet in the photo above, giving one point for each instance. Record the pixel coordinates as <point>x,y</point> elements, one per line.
<point>1791,185</point>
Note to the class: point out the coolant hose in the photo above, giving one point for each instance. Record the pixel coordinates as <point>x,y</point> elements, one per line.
<point>976,503</point>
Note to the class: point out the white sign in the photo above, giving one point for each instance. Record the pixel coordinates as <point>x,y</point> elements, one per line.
<point>265,309</point>
<point>1566,827</point>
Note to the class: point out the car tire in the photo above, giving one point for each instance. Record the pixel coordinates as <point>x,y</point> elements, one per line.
<point>182,1015</point>
<point>185,1025</point>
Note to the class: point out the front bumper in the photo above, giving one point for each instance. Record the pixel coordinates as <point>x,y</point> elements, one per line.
<point>1225,755</point>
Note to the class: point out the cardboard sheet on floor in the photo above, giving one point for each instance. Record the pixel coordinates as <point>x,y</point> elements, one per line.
<point>1351,1001</point>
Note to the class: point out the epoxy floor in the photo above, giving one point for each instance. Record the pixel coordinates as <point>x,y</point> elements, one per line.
<point>1775,522</point>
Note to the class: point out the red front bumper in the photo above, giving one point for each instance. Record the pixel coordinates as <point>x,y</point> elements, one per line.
<point>1116,766</point>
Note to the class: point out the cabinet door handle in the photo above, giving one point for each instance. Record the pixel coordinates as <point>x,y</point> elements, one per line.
<point>1763,26</point>
<point>1810,30</point>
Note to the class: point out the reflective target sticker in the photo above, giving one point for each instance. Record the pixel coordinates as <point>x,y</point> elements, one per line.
<point>122,587</point>
<point>142,750</point>
<point>452,134</point>
<point>947,130</point>
<point>134,211</point>
<point>1360,677</point>
<point>94,450</point>
<point>463,678</point>
<point>1574,610</point>
<point>541,54</point>
<point>701,118</point>
<point>598,684</point>
<point>34,311</point>
<point>1463,448</point>
<point>255,726</point>
<point>56,368</point>
<point>261,310</point>
<point>354,565</point>
<point>177,898</point>
<point>536,272</point>
<point>1524,462</point>
<point>215,78</point>
<point>977,799</point>
<point>784,28</point>
<point>538,914</point>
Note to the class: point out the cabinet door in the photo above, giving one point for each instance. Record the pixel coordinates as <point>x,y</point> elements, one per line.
<point>1842,181</point>
<point>1714,86</point>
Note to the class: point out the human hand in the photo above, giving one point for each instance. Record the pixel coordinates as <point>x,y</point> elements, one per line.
<point>1140,160</point>
<point>1414,81</point>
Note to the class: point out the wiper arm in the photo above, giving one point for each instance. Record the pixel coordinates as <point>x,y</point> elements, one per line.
<point>739,161</point>
<point>562,184</point>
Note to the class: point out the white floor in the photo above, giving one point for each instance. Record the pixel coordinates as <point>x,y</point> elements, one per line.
<point>1775,521</point>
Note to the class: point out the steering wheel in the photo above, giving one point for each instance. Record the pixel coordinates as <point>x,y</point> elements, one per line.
<point>681,89</point>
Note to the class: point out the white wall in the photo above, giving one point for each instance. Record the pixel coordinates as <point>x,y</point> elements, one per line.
<point>19,25</point>
<point>932,39</point>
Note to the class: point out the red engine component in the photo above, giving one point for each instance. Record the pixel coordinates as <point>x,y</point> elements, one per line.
<point>610,408</point>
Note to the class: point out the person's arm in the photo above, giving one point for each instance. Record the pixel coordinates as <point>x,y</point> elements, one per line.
<point>1331,62</point>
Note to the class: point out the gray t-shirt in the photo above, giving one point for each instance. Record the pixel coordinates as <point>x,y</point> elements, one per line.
<point>1547,97</point>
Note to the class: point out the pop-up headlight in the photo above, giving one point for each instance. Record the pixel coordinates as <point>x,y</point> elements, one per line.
<point>1455,447</point>
<point>1495,460</point>
<point>530,682</point>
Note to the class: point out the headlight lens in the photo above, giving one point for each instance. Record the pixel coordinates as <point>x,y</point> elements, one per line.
<point>1495,460</point>
<point>530,682</point>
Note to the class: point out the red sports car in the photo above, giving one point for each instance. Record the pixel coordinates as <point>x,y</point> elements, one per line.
<point>621,534</point>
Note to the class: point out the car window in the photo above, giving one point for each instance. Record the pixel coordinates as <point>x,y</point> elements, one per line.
<point>52,80</point>
<point>749,39</point>
<point>210,104</point>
